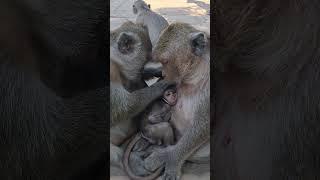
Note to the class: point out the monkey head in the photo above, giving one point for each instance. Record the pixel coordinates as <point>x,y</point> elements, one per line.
<point>138,5</point>
<point>130,49</point>
<point>170,96</point>
<point>182,50</point>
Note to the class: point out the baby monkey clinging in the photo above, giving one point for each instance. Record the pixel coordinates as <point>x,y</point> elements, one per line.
<point>155,129</point>
<point>155,125</point>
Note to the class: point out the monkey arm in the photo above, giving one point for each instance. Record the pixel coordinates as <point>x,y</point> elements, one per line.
<point>197,135</point>
<point>126,105</point>
<point>167,116</point>
<point>174,156</point>
<point>159,115</point>
<point>155,119</point>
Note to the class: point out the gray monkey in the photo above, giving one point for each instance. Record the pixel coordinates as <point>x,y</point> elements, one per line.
<point>155,22</point>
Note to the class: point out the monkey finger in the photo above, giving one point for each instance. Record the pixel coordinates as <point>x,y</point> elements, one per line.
<point>164,84</point>
<point>146,154</point>
<point>141,145</point>
<point>153,162</point>
<point>171,175</point>
<point>149,150</point>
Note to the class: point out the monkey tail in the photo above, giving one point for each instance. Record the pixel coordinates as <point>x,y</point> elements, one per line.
<point>126,158</point>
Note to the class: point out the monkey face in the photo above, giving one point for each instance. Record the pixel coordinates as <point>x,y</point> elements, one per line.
<point>170,96</point>
<point>130,49</point>
<point>134,9</point>
<point>139,5</point>
<point>181,49</point>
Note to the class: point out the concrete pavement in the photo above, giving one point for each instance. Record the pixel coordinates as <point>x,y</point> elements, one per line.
<point>195,12</point>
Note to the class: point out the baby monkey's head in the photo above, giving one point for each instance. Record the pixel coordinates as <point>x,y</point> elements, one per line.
<point>170,97</point>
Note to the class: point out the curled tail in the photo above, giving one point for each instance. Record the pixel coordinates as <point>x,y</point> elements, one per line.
<point>126,158</point>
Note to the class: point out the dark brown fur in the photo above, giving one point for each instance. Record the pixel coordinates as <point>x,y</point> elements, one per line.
<point>268,75</point>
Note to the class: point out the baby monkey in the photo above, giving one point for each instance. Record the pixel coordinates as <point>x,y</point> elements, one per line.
<point>155,128</point>
<point>155,125</point>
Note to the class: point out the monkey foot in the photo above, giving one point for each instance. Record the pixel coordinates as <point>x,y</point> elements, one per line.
<point>141,145</point>
<point>161,157</point>
<point>171,174</point>
<point>137,164</point>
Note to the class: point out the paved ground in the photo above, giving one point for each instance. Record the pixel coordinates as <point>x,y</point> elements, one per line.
<point>195,12</point>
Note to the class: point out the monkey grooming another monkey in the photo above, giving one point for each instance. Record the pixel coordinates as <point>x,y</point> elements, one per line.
<point>155,128</point>
<point>130,49</point>
<point>155,22</point>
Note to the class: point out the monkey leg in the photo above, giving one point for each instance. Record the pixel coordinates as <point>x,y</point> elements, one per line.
<point>126,162</point>
<point>141,145</point>
<point>122,131</point>
<point>116,154</point>
<point>161,131</point>
<point>118,135</point>
<point>168,138</point>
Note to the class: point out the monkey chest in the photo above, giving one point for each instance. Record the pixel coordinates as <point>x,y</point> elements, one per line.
<point>183,114</point>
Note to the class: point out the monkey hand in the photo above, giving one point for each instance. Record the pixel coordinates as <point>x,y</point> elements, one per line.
<point>162,86</point>
<point>150,72</point>
<point>167,158</point>
<point>136,163</point>
<point>141,145</point>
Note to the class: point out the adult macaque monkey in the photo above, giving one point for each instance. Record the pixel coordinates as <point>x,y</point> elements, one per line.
<point>155,22</point>
<point>184,54</point>
<point>130,48</point>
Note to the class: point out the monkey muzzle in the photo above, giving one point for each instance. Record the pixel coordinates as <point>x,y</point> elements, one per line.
<point>171,98</point>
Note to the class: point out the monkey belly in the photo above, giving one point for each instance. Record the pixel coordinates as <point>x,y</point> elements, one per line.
<point>182,119</point>
<point>182,115</point>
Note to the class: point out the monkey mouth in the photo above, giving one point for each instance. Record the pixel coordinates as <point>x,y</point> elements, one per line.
<point>174,103</point>
<point>169,103</point>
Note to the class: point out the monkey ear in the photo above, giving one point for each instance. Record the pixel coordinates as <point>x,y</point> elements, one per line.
<point>135,11</point>
<point>198,43</point>
<point>126,43</point>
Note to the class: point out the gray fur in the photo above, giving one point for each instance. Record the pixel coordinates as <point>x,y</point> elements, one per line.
<point>155,124</point>
<point>125,69</point>
<point>188,67</point>
<point>154,21</point>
